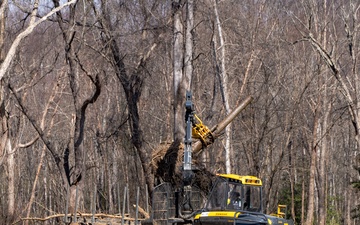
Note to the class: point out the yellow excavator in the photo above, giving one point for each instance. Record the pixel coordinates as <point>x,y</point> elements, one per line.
<point>237,200</point>
<point>233,199</point>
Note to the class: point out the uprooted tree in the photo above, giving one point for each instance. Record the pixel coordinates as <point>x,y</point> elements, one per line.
<point>168,158</point>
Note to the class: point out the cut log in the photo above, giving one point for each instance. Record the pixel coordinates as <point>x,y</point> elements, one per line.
<point>217,129</point>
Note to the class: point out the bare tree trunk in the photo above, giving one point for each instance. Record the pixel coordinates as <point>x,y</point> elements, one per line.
<point>322,162</point>
<point>3,10</point>
<point>324,142</point>
<point>178,74</point>
<point>6,149</point>
<point>10,179</point>
<point>224,89</point>
<point>188,67</point>
<point>313,158</point>
<point>75,145</point>
<point>303,192</point>
<point>322,176</point>
<point>292,180</point>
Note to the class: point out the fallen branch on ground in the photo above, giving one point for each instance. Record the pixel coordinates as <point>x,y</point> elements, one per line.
<point>97,215</point>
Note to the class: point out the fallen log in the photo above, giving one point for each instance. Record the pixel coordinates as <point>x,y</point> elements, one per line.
<point>143,212</point>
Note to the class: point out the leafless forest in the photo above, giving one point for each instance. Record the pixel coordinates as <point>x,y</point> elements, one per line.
<point>91,89</point>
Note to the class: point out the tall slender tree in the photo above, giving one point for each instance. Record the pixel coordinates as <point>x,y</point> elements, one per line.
<point>223,77</point>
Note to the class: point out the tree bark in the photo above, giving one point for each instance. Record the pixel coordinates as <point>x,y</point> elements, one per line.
<point>224,89</point>
<point>189,39</point>
<point>180,84</point>
<point>6,149</point>
<point>3,11</point>
<point>322,168</point>
<point>313,159</point>
<point>10,179</point>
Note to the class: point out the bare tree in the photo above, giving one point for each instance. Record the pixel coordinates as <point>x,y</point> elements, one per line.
<point>43,151</point>
<point>223,86</point>
<point>180,82</point>
<point>132,79</point>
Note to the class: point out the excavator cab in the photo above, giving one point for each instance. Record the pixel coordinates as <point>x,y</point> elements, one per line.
<point>234,192</point>
<point>236,200</point>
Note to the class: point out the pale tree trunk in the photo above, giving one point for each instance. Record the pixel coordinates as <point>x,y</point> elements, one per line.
<point>224,88</point>
<point>324,142</point>
<point>313,158</point>
<point>5,60</point>
<point>292,184</point>
<point>10,179</point>
<point>6,150</point>
<point>178,73</point>
<point>303,197</point>
<point>10,151</point>
<point>25,145</point>
<point>322,166</point>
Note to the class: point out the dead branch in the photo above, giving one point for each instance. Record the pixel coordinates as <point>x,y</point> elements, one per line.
<point>97,215</point>
<point>11,53</point>
<point>143,212</point>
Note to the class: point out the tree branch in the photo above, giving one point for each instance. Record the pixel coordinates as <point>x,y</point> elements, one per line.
<point>36,126</point>
<point>334,69</point>
<point>11,53</point>
<point>88,101</point>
